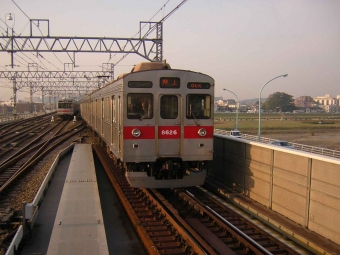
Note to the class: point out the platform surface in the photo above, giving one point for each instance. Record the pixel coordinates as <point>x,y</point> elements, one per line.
<point>120,235</point>
<point>79,225</point>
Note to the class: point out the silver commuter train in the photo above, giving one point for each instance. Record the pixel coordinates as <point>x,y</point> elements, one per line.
<point>67,108</point>
<point>156,122</point>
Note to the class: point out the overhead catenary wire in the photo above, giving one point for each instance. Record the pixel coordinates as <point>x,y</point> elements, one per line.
<point>39,31</point>
<point>154,26</point>
<point>41,59</point>
<point>20,9</point>
<point>44,67</point>
<point>142,28</point>
<point>17,55</point>
<point>28,62</point>
<point>138,44</point>
<point>162,8</point>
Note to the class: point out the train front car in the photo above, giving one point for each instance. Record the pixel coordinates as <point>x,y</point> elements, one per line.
<point>167,127</point>
<point>67,108</point>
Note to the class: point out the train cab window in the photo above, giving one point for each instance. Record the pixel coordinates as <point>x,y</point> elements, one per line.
<point>140,84</point>
<point>139,106</point>
<point>198,106</point>
<point>169,107</point>
<point>65,105</point>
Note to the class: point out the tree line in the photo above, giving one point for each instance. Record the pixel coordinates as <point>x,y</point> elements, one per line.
<point>280,102</point>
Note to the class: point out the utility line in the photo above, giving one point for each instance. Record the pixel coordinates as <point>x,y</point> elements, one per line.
<point>40,33</point>
<point>154,26</point>
<point>140,31</point>
<point>20,9</point>
<point>17,55</point>
<point>44,67</point>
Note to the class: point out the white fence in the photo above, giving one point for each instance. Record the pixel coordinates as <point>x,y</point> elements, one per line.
<point>302,147</point>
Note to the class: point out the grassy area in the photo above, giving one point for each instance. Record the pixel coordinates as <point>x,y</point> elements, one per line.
<point>310,116</point>
<point>277,122</point>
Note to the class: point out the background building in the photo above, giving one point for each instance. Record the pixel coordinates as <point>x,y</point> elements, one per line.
<point>304,101</point>
<point>328,103</point>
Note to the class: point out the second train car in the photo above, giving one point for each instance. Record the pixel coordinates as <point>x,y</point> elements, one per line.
<point>67,108</point>
<point>157,123</point>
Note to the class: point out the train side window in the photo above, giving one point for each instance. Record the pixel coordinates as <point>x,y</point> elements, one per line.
<point>139,106</point>
<point>169,107</point>
<point>198,106</point>
<point>113,107</point>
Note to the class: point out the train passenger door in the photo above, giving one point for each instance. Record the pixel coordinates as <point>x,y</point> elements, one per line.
<point>169,126</point>
<point>113,121</point>
<point>119,125</point>
<point>102,116</point>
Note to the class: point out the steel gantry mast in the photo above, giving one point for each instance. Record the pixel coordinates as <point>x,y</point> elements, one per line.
<point>143,46</point>
<point>38,75</point>
<point>149,48</point>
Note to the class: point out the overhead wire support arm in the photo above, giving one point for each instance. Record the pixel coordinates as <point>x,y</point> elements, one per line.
<point>75,44</point>
<point>55,74</point>
<point>59,85</point>
<point>38,23</point>
<point>158,42</point>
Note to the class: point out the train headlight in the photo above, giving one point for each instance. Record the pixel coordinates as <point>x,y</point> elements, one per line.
<point>202,132</point>
<point>136,132</point>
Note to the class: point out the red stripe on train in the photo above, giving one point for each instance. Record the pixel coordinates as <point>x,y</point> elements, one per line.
<point>168,132</point>
<point>164,132</point>
<point>146,132</point>
<point>191,132</point>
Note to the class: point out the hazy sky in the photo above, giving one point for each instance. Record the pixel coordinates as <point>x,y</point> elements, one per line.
<point>242,44</point>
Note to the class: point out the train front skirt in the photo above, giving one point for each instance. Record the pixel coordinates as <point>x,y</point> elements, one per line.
<point>142,180</point>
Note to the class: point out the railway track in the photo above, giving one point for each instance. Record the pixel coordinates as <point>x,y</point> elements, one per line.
<point>27,139</point>
<point>171,221</point>
<point>168,221</point>
<point>7,128</point>
<point>16,164</point>
<point>22,134</point>
<point>228,228</point>
<point>27,164</point>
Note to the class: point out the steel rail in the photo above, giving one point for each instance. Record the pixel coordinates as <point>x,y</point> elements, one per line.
<point>25,148</point>
<point>257,248</point>
<point>38,156</point>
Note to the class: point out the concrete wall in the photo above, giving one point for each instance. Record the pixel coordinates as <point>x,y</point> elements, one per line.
<point>302,186</point>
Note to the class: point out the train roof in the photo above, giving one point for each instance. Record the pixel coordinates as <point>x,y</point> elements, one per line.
<point>66,100</point>
<point>144,66</point>
<point>150,66</point>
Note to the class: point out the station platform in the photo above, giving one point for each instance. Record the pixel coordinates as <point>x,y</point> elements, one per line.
<point>79,225</point>
<point>73,220</point>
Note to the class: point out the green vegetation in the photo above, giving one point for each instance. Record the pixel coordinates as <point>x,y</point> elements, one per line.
<point>319,122</point>
<point>305,116</point>
<point>281,101</point>
<point>248,122</point>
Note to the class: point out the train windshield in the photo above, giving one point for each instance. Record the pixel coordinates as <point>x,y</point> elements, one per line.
<point>169,107</point>
<point>63,105</point>
<point>198,106</point>
<point>139,106</point>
